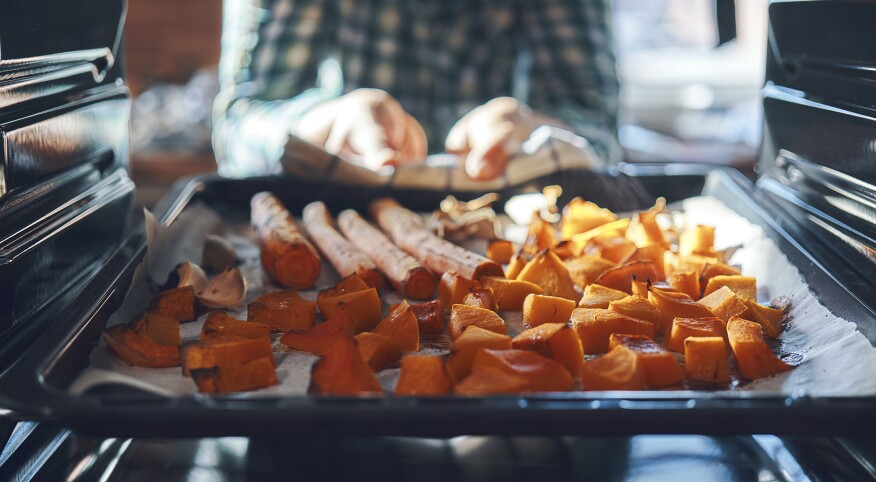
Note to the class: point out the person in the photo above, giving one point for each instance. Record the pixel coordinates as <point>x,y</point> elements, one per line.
<point>382,82</point>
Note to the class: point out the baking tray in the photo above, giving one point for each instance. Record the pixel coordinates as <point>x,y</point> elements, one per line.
<point>35,387</point>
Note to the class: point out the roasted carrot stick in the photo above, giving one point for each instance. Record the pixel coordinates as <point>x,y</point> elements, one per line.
<point>408,276</point>
<point>346,258</point>
<point>408,231</point>
<point>287,256</point>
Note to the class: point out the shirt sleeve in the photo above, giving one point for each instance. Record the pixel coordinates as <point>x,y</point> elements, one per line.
<point>573,76</point>
<point>269,78</point>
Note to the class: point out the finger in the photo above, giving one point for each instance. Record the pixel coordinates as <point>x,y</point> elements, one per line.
<point>415,145</point>
<point>457,139</point>
<point>488,157</point>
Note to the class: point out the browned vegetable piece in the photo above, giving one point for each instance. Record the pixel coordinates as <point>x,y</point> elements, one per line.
<point>139,351</point>
<point>585,269</point>
<point>614,249</point>
<point>621,277</point>
<point>363,307</point>
<point>287,257</point>
<point>715,268</point>
<point>745,287</point>
<point>691,262</point>
<point>500,250</point>
<point>655,254</point>
<point>177,303</point>
<point>282,311</point>
<point>638,308</point>
<point>346,258</point>
<point>699,240</point>
<point>407,275</point>
<point>378,351</point>
<point>253,375</point>
<point>617,370</point>
<point>423,375</point>
<point>510,293</point>
<point>408,231</point>
<point>342,371</point>
<point>490,381</point>
<point>463,316</point>
<point>769,318</point>
<point>644,230</point>
<point>452,288</point>
<point>753,355</point>
<point>515,266</point>
<point>673,304</point>
<point>318,339</point>
<point>598,296</point>
<point>683,328</point>
<point>540,309</point>
<point>541,374</point>
<point>705,359</point>
<point>482,298</point>
<point>614,229</point>
<point>595,326</point>
<point>547,271</point>
<point>401,327</point>
<point>558,342</point>
<point>725,304</point>
<point>657,367</point>
<point>687,282</point>
<point>158,328</point>
<point>472,340</point>
<point>541,235</point>
<point>580,216</point>
<point>224,353</point>
<point>220,324</point>
<point>430,316</point>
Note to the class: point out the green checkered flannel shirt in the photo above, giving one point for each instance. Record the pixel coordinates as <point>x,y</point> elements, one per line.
<point>439,58</point>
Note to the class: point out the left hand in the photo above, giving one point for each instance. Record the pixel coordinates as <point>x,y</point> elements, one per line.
<point>489,135</point>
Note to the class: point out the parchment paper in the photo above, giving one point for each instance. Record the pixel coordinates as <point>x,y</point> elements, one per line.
<point>834,358</point>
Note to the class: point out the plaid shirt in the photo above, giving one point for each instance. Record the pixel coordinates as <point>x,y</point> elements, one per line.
<point>439,58</point>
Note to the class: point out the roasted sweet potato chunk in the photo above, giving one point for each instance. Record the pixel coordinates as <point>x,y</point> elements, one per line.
<point>282,311</point>
<point>595,326</point>
<point>698,240</point>
<point>621,277</point>
<point>473,339</point>
<point>547,271</point>
<point>139,351</point>
<point>724,304</point>
<point>687,282</point>
<point>616,370</point>
<point>224,353</point>
<point>598,296</point>
<point>580,216</point>
<point>613,249</point>
<point>500,250</point>
<point>378,351</point>
<point>541,374</point>
<point>342,371</point>
<point>158,328</point>
<point>638,308</point>
<point>482,298</point>
<point>753,355</point>
<point>220,324</point>
<point>452,288</point>
<point>540,309</point>
<point>655,255</point>
<point>541,235</point>
<point>644,230</point>
<point>423,375</point>
<point>491,381</point>
<point>510,293</point>
<point>585,269</point>
<point>178,303</point>
<point>515,266</point>
<point>555,341</point>
<point>401,327</point>
<point>745,287</point>
<point>463,316</point>
<point>614,229</point>
<point>363,307</point>
<point>657,367</point>
<point>705,359</point>
<point>258,373</point>
<point>430,316</point>
<point>683,328</point>
<point>674,304</point>
<point>318,339</point>
<point>714,268</point>
<point>769,318</point>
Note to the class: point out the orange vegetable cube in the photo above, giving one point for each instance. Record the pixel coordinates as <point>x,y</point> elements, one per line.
<point>540,309</point>
<point>585,269</point>
<point>674,304</point>
<point>282,311</point>
<point>621,277</point>
<point>482,298</point>
<point>683,328</point>
<point>541,374</point>
<point>258,373</point>
<point>595,326</point>
<point>598,296</point>
<point>401,327</point>
<point>139,351</point>
<point>177,303</point>
<point>687,282</point>
<point>638,308</point>
<point>159,328</point>
<point>617,370</point>
<point>342,371</point>
<point>639,288</point>
<point>547,271</point>
<point>220,324</point>
<point>463,316</point>
<point>705,359</point>
<point>541,235</point>
<point>363,307</point>
<point>430,316</point>
<point>769,318</point>
<point>515,266</point>
<point>699,240</point>
<point>472,340</point>
<point>753,355</point>
<point>580,216</point>
<point>657,367</point>
<point>745,287</point>
<point>500,250</point>
<point>423,375</point>
<point>490,381</point>
<point>378,351</point>
<point>614,229</point>
<point>452,288</point>
<point>654,254</point>
<point>716,268</point>
<point>644,230</point>
<point>611,248</point>
<point>510,293</point>
<point>724,304</point>
<point>555,341</point>
<point>224,353</point>
<point>318,339</point>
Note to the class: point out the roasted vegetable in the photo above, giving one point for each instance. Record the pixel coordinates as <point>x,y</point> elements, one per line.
<point>287,256</point>
<point>423,375</point>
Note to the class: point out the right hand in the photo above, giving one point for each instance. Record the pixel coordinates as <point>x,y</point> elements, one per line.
<point>368,125</point>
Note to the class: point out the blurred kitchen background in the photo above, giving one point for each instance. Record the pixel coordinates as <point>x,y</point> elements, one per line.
<point>688,93</point>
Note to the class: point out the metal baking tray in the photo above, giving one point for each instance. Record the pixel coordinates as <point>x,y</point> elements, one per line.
<point>35,386</point>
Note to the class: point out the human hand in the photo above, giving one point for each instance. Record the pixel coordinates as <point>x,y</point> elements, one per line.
<point>367,124</point>
<point>489,135</point>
